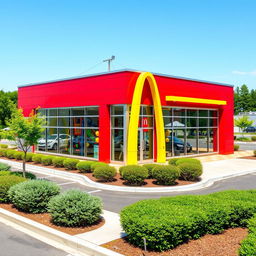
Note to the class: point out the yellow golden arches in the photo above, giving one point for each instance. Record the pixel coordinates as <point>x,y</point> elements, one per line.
<point>132,141</point>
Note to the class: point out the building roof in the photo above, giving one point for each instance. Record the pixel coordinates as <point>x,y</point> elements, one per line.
<point>125,70</point>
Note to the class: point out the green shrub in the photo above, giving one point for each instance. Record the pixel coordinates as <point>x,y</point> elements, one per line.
<point>190,171</point>
<point>58,161</point>
<point>236,147</point>
<point>243,139</point>
<point>150,167</point>
<point>188,160</point>
<point>37,158</point>
<point>84,166</point>
<point>28,175</point>
<point>3,152</point>
<point>104,173</point>
<point>253,138</point>
<point>10,153</point>
<point>75,208</point>
<point>18,155</point>
<point>173,161</point>
<point>70,164</point>
<point>46,160</point>
<point>29,157</point>
<point>4,167</point>
<point>195,216</point>
<point>5,173</point>
<point>3,146</point>
<point>5,183</point>
<point>95,165</point>
<point>166,174</point>
<point>33,196</point>
<point>254,152</point>
<point>134,174</point>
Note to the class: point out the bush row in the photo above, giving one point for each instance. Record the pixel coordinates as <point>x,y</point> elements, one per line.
<point>252,138</point>
<point>170,221</point>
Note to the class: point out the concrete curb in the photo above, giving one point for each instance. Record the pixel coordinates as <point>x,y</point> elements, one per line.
<point>60,240</point>
<point>87,182</point>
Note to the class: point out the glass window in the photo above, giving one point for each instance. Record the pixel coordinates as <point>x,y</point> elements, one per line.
<point>192,142</point>
<point>213,113</point>
<point>77,111</point>
<point>179,112</point>
<point>117,121</point>
<point>52,121</point>
<point>192,112</point>
<point>91,111</point>
<point>203,122</point>
<point>203,140</point>
<point>167,111</point>
<point>146,110</point>
<point>168,121</point>
<point>178,122</point>
<point>92,122</point>
<point>42,111</point>
<point>41,143</point>
<point>203,113</point>
<point>117,142</point>
<point>64,121</point>
<point>77,122</point>
<point>91,144</point>
<point>192,122</point>
<point>52,112</point>
<point>179,142</point>
<point>213,122</point>
<point>213,139</point>
<point>64,112</point>
<point>52,140</point>
<point>78,141</point>
<point>117,110</point>
<point>64,140</point>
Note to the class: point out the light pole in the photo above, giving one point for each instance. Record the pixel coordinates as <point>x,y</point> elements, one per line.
<point>109,60</point>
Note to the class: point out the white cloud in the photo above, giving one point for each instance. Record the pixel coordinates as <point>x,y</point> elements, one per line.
<point>251,73</point>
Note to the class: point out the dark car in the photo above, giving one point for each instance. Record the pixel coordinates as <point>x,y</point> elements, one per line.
<point>178,145</point>
<point>250,129</point>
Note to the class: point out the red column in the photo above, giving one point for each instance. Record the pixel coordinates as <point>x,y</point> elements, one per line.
<point>104,136</point>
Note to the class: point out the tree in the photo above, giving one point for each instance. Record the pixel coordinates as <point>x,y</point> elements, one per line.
<point>244,99</point>
<point>24,130</point>
<point>243,122</point>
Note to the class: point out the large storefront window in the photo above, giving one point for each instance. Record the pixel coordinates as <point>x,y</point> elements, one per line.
<point>190,131</point>
<point>71,131</point>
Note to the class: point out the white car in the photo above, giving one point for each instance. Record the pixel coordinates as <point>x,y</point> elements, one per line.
<point>52,141</point>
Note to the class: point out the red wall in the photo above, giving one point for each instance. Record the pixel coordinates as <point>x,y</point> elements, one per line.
<point>117,88</point>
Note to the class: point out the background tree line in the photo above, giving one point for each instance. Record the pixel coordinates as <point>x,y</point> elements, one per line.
<point>245,99</point>
<point>8,101</point>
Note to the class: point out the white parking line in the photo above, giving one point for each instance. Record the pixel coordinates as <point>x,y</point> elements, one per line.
<point>66,183</point>
<point>94,191</point>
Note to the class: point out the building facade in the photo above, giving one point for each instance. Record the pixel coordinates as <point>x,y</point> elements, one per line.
<point>132,117</point>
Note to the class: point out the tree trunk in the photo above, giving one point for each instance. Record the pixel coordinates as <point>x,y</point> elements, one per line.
<point>24,165</point>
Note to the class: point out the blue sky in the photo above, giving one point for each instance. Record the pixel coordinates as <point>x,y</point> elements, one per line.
<point>203,39</point>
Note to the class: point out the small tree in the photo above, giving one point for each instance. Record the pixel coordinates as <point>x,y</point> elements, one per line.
<point>24,130</point>
<point>243,122</point>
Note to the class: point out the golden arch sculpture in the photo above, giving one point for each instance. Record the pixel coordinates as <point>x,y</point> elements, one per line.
<point>132,141</point>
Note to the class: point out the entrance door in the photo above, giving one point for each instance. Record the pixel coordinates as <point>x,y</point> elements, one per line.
<point>145,144</point>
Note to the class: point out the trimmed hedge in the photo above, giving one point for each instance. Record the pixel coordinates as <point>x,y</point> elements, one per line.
<point>75,208</point>
<point>6,182</point>
<point>3,146</point>
<point>10,153</point>
<point>58,161</point>
<point>134,174</point>
<point>33,196</point>
<point>188,160</point>
<point>37,158</point>
<point>46,160</point>
<point>95,165</point>
<point>29,156</point>
<point>4,167</point>
<point>254,152</point>
<point>236,147</point>
<point>84,166</point>
<point>253,138</point>
<point>3,152</point>
<point>166,174</point>
<point>170,221</point>
<point>173,161</point>
<point>105,173</point>
<point>5,173</point>
<point>18,155</point>
<point>70,163</point>
<point>190,171</point>
<point>150,168</point>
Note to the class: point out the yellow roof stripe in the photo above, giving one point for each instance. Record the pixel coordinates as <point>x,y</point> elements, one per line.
<point>195,100</point>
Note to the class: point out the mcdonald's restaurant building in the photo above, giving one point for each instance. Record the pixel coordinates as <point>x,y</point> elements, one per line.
<point>132,117</point>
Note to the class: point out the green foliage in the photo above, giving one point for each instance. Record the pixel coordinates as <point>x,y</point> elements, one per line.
<point>5,173</point>
<point>243,122</point>
<point>4,167</point>
<point>105,173</point>
<point>254,152</point>
<point>243,139</point>
<point>84,166</point>
<point>28,175</point>
<point>46,160</point>
<point>33,196</point>
<point>3,152</point>
<point>190,171</point>
<point>188,160</point>
<point>3,146</point>
<point>75,208</point>
<point>173,161</point>
<point>150,167</point>
<point>170,221</point>
<point>29,157</point>
<point>94,165</point>
<point>166,174</point>
<point>70,164</point>
<point>18,155</point>
<point>253,138</point>
<point>236,147</point>
<point>134,174</point>
<point>37,158</point>
<point>5,183</point>
<point>10,153</point>
<point>58,161</point>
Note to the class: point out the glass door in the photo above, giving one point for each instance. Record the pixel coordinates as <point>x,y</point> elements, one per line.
<point>145,145</point>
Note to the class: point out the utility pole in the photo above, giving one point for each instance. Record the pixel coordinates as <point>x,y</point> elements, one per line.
<point>108,61</point>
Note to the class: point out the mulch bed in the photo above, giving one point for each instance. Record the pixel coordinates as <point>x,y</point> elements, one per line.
<point>225,244</point>
<point>44,218</point>
<point>248,157</point>
<point>118,179</point>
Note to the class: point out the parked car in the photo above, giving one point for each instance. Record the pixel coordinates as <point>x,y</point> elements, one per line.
<point>250,129</point>
<point>178,145</point>
<point>52,141</point>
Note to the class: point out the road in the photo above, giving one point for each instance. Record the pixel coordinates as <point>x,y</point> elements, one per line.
<point>246,146</point>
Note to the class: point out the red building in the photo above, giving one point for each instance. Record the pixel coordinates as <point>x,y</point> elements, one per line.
<point>132,116</point>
